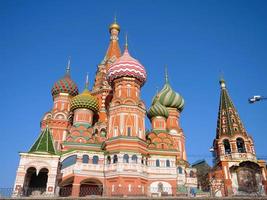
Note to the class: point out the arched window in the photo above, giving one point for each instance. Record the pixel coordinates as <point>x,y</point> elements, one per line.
<point>157,163</point>
<point>85,159</point>
<point>95,160</point>
<point>227,147</point>
<point>191,174</point>
<point>240,145</point>
<point>71,160</point>
<point>126,158</point>
<point>134,159</point>
<point>115,159</point>
<point>108,160</point>
<point>180,170</point>
<point>168,164</point>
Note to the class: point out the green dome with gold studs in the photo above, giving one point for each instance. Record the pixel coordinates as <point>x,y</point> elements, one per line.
<point>157,110</point>
<point>84,100</point>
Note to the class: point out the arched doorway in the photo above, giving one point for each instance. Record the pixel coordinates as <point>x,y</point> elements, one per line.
<point>35,184</point>
<point>91,187</point>
<point>66,187</point>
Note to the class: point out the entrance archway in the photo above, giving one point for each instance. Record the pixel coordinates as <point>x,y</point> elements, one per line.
<point>35,184</point>
<point>91,187</point>
<point>66,187</point>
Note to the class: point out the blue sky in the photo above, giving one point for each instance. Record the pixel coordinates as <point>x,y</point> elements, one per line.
<point>196,39</point>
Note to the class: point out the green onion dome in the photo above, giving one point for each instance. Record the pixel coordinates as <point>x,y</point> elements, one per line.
<point>84,100</point>
<point>157,110</point>
<point>169,98</point>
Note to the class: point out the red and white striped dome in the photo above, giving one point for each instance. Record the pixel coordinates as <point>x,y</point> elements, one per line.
<point>127,66</point>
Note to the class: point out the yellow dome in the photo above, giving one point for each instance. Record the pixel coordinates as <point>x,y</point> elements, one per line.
<point>114,26</point>
<point>84,100</point>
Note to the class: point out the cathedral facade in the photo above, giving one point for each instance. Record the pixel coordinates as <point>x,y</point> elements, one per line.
<point>96,143</point>
<point>236,171</point>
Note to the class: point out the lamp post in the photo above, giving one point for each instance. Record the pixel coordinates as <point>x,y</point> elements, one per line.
<point>256,98</point>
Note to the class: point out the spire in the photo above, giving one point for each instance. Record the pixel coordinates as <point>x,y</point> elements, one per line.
<point>166,75</point>
<point>68,66</point>
<point>87,81</point>
<point>229,122</point>
<point>126,41</point>
<point>114,48</point>
<point>44,144</point>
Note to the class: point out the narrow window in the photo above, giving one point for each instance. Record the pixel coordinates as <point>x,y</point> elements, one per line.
<point>180,170</point>
<point>227,147</point>
<point>108,160</point>
<point>157,163</point>
<point>240,145</point>
<point>115,159</point>
<point>168,164</point>
<point>95,160</point>
<point>85,159</point>
<point>126,158</point>
<point>134,159</point>
<point>128,131</point>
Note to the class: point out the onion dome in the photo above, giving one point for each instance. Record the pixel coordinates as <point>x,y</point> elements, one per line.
<point>84,100</point>
<point>65,85</point>
<point>169,98</point>
<point>127,66</point>
<point>157,110</point>
<point>114,25</point>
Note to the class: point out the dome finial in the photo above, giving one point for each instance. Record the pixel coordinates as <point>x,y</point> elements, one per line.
<point>115,18</point>
<point>222,81</point>
<point>114,25</point>
<point>166,74</point>
<point>126,41</point>
<point>68,66</point>
<point>87,81</point>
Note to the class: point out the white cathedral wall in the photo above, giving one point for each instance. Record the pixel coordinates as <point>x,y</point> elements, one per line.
<point>39,162</point>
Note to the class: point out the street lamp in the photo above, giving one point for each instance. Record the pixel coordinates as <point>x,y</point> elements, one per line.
<point>256,98</point>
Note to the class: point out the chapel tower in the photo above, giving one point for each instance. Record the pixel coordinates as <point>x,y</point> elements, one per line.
<point>237,171</point>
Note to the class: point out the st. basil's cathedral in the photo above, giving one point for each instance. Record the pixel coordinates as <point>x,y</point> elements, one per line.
<point>96,143</point>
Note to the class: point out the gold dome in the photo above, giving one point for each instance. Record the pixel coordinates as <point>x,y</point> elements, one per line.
<point>114,25</point>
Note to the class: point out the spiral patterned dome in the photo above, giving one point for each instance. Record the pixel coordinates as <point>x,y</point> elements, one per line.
<point>169,98</point>
<point>157,110</point>
<point>84,100</point>
<point>127,66</point>
<point>65,85</point>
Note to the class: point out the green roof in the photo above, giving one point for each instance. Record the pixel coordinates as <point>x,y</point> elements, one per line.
<point>229,122</point>
<point>44,144</point>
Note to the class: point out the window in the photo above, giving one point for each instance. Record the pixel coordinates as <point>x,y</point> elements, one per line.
<point>134,159</point>
<point>240,145</point>
<point>108,160</point>
<point>129,131</point>
<point>227,147</point>
<point>168,164</point>
<point>157,163</point>
<point>115,159</point>
<point>95,160</point>
<point>85,159</point>
<point>126,158</point>
<point>71,160</point>
<point>180,170</point>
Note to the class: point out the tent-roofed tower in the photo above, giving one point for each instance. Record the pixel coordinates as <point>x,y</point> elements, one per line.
<point>38,169</point>
<point>101,88</point>
<point>236,171</point>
